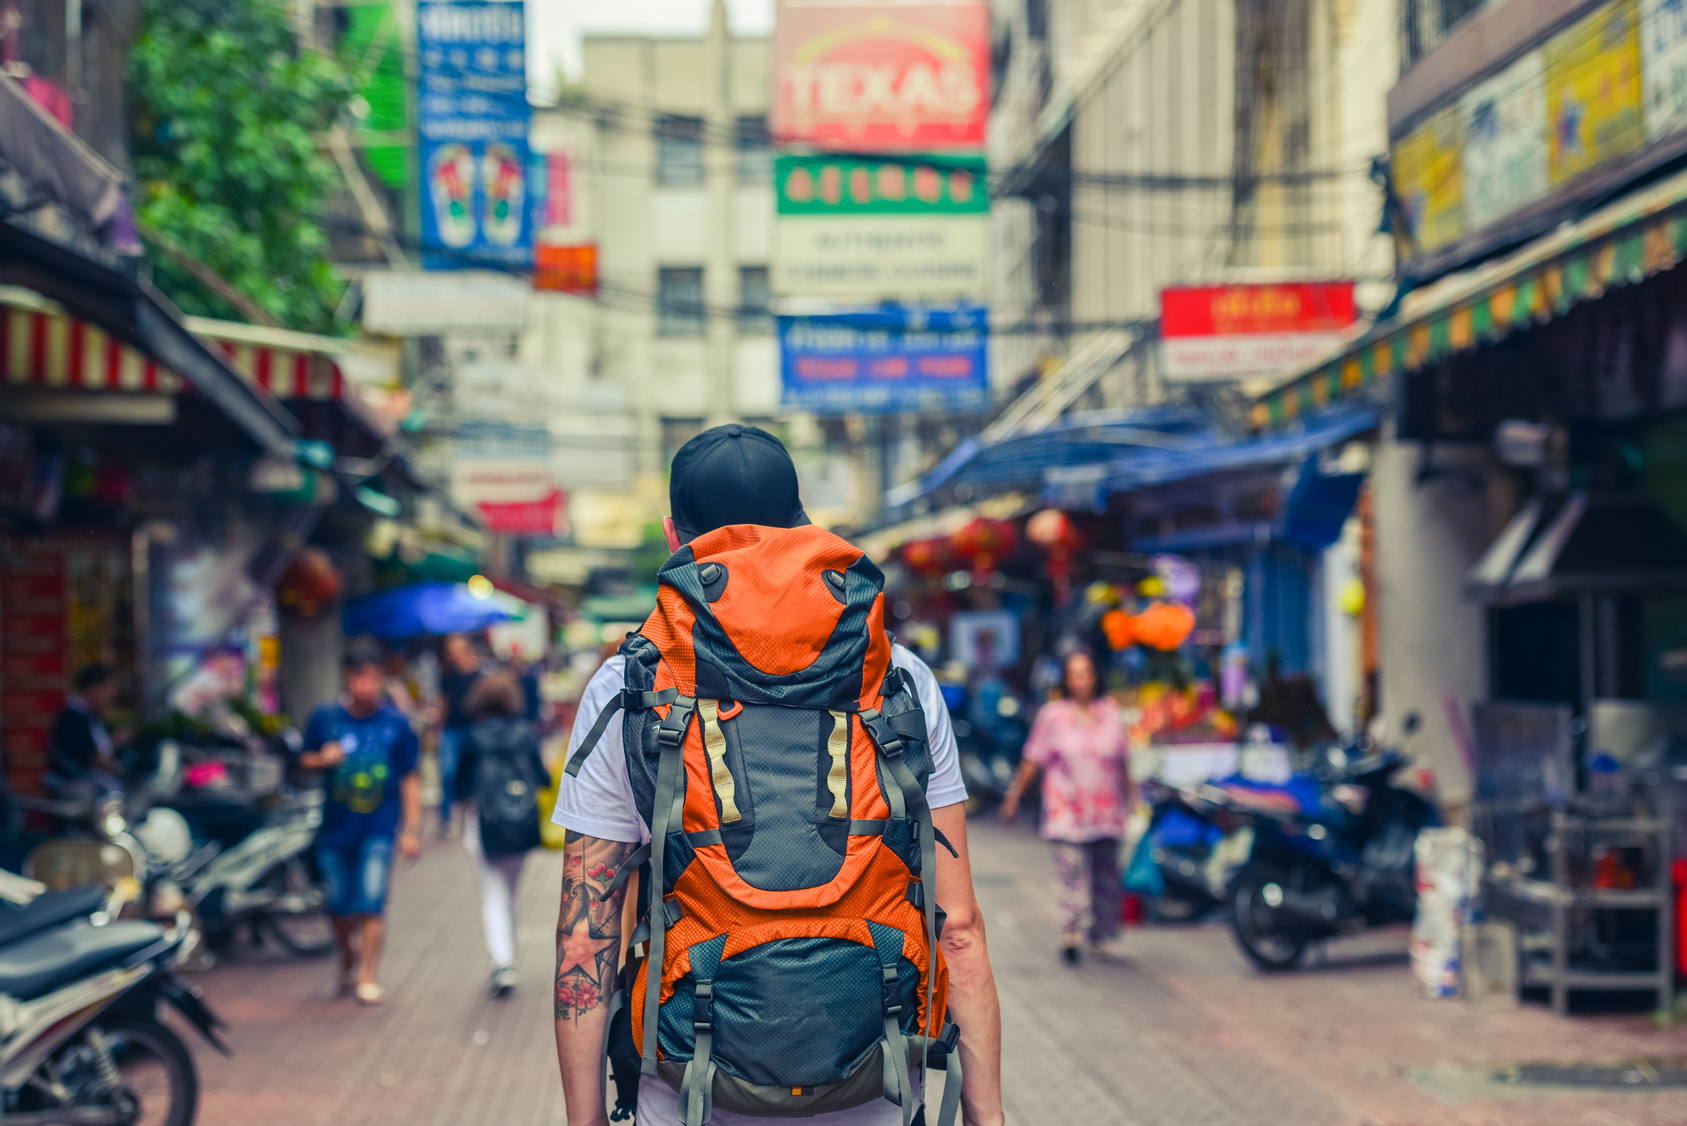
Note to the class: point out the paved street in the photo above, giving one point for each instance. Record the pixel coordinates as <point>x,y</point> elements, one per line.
<point>1183,1033</point>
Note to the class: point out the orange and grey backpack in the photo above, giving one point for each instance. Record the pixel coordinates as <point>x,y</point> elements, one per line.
<point>786,961</point>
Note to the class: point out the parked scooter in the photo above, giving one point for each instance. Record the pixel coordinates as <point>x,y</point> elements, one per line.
<point>990,727</point>
<point>80,1036</point>
<point>1336,868</point>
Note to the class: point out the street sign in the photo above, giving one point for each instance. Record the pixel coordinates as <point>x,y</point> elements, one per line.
<point>473,120</point>
<point>886,360</point>
<point>1225,331</point>
<point>871,258</point>
<point>904,185</point>
<point>881,77</point>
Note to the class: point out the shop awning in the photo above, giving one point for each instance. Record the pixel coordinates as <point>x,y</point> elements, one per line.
<point>109,331</point>
<point>1620,244</point>
<point>1305,437</point>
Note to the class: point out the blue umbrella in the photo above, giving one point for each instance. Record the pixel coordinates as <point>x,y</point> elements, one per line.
<point>418,608</point>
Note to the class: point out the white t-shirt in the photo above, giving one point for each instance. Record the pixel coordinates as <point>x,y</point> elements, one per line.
<point>599,803</point>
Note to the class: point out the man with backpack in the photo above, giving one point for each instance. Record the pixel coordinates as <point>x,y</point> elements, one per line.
<point>779,784</point>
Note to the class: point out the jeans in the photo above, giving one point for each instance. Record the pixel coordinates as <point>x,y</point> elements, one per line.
<point>355,875</point>
<point>450,750</point>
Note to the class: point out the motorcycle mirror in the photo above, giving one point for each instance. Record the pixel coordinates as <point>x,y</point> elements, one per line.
<point>1410,724</point>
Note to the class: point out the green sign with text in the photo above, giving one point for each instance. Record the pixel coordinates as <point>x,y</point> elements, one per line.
<point>908,185</point>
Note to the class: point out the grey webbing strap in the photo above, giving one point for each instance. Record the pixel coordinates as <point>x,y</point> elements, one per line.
<point>860,828</point>
<point>667,810</point>
<point>951,1088</point>
<point>704,837</point>
<point>623,699</point>
<point>889,745</point>
<point>696,1092</point>
<point>888,943</point>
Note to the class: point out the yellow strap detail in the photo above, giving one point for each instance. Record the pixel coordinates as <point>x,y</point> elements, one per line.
<point>715,744</point>
<point>837,779</point>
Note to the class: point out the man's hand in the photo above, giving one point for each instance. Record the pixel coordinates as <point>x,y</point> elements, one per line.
<point>331,755</point>
<point>409,845</point>
<point>588,953</point>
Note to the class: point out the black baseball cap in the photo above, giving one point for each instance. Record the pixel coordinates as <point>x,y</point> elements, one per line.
<point>733,474</point>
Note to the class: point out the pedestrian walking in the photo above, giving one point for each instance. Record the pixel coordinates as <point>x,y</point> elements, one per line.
<point>1079,746</point>
<point>462,671</point>
<point>374,798</point>
<point>81,753</point>
<point>499,777</point>
<point>796,889</point>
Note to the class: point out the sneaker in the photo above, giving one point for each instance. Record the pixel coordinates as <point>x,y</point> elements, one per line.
<point>1071,955</point>
<point>370,993</point>
<point>346,983</point>
<point>503,981</point>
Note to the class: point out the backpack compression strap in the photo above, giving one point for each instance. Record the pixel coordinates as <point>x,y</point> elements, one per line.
<point>908,799</point>
<point>667,810</point>
<point>626,698</point>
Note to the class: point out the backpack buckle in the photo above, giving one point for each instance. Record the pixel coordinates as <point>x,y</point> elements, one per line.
<point>703,1007</point>
<point>671,732</point>
<point>890,978</point>
<point>884,735</point>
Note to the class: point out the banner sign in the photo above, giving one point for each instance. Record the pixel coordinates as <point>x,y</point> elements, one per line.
<point>1429,180</point>
<point>542,517</point>
<point>910,185</point>
<point>881,77</point>
<point>566,269</point>
<point>472,122</point>
<point>1505,150</point>
<point>1593,91</point>
<point>872,258</point>
<point>1224,331</point>
<point>1663,65</point>
<point>886,360</point>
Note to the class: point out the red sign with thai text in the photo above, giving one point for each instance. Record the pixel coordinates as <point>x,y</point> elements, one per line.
<point>1232,310</point>
<point>541,517</point>
<point>881,78</point>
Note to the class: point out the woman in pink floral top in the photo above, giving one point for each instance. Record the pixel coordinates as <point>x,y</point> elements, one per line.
<point>1079,746</point>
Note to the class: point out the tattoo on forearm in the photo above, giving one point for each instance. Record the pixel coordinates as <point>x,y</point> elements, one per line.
<point>588,932</point>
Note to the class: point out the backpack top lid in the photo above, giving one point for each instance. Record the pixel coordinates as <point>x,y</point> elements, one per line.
<point>788,616</point>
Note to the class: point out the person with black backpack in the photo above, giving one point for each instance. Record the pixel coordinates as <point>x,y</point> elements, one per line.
<point>501,773</point>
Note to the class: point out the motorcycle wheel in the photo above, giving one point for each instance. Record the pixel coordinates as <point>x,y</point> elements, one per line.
<point>303,934</point>
<point>1257,925</point>
<point>157,1071</point>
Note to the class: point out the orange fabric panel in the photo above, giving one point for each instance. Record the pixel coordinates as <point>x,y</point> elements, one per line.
<point>669,629</point>
<point>877,665</point>
<point>778,567</point>
<point>699,811</point>
<point>867,800</point>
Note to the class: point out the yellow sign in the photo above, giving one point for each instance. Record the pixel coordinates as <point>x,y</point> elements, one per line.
<point>1593,91</point>
<point>1430,181</point>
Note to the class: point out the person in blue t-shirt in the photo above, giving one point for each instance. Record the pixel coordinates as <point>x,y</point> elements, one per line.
<point>368,752</point>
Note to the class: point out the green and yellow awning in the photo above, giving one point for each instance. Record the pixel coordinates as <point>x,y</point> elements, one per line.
<point>1623,243</point>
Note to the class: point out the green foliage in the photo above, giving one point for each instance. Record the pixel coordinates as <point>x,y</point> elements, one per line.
<point>227,112</point>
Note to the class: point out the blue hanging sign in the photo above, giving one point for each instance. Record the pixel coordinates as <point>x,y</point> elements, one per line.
<point>473,119</point>
<point>880,361</point>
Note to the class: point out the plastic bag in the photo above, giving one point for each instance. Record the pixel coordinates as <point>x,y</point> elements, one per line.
<point>1449,874</point>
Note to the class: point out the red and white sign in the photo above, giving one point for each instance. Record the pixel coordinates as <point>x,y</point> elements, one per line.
<point>882,77</point>
<point>1224,331</point>
<point>541,517</point>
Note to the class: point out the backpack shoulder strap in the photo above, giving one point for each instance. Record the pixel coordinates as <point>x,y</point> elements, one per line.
<point>627,698</point>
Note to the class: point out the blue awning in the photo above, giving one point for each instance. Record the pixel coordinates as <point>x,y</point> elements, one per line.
<point>1085,438</point>
<point>1144,468</point>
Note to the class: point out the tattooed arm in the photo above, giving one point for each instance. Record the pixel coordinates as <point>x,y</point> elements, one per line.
<point>588,951</point>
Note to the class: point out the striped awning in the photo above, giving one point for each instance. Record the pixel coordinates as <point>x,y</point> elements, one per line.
<point>43,346</point>
<point>1622,243</point>
<point>51,349</point>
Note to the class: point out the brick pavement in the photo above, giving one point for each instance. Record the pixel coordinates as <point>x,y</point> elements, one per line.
<point>1182,1033</point>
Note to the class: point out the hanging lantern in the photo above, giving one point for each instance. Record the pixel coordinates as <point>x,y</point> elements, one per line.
<point>1119,628</point>
<point>983,542</point>
<point>1051,528</point>
<point>1164,625</point>
<point>309,583</point>
<point>925,557</point>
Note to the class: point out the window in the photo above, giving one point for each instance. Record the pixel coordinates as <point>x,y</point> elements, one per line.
<point>755,300</point>
<point>679,301</point>
<point>755,155</point>
<point>679,150</point>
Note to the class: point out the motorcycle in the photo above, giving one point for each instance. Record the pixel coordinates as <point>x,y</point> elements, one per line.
<point>1316,870</point>
<point>1170,867</point>
<point>80,1036</point>
<point>990,728</point>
